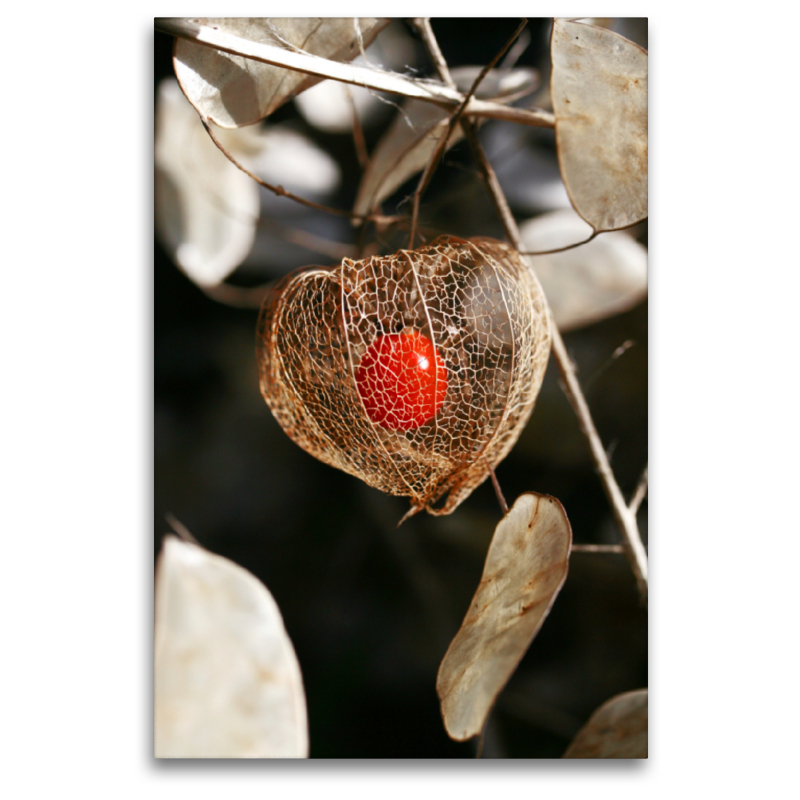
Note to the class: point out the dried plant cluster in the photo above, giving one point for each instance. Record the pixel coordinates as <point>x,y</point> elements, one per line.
<point>484,312</point>
<point>415,371</point>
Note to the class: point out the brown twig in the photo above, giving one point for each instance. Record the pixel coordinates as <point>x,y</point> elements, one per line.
<point>623,348</point>
<point>423,25</point>
<point>638,495</point>
<point>558,249</point>
<point>498,491</point>
<point>281,192</point>
<point>442,146</point>
<point>309,241</point>
<point>481,741</point>
<point>634,549</point>
<point>236,296</point>
<point>359,143</point>
<point>626,520</point>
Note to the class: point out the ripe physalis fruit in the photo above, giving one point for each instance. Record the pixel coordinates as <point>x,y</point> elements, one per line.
<point>402,381</point>
<point>415,372</point>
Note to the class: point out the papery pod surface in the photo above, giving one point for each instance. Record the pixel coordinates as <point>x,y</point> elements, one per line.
<point>485,313</point>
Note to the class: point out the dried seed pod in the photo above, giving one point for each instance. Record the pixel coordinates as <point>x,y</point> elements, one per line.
<point>415,372</point>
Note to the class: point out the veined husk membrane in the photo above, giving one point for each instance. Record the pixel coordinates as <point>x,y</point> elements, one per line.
<point>484,311</point>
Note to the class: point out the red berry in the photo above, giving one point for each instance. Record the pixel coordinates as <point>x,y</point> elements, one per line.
<point>402,381</point>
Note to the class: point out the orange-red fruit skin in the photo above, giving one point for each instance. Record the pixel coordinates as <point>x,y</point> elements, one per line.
<point>402,381</point>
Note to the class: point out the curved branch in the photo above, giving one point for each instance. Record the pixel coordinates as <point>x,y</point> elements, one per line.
<point>281,192</point>
<point>430,92</point>
<point>558,249</point>
<point>454,119</point>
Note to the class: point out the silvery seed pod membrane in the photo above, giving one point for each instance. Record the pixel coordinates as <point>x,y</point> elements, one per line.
<point>482,316</point>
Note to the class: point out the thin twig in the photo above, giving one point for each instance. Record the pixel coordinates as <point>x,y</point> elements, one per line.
<point>359,142</point>
<point>598,548</point>
<point>517,50</point>
<point>279,190</point>
<point>238,297</point>
<point>348,73</point>
<point>423,25</point>
<point>623,348</point>
<point>638,495</point>
<point>498,491</point>
<point>481,740</point>
<point>309,241</point>
<point>559,249</point>
<point>634,549</point>
<point>442,146</point>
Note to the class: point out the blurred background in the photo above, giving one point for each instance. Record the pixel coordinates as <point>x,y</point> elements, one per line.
<point>371,608</point>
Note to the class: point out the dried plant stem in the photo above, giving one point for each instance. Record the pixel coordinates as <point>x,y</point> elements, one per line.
<point>632,541</point>
<point>309,241</point>
<point>638,495</point>
<point>598,548</point>
<point>423,182</point>
<point>423,25</point>
<point>454,119</point>
<point>624,516</point>
<point>281,192</point>
<point>238,297</point>
<point>348,73</point>
<point>559,249</point>
<point>498,491</point>
<point>481,741</point>
<point>622,349</point>
<point>359,142</point>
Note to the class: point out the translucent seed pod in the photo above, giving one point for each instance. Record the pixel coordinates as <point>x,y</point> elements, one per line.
<point>453,339</point>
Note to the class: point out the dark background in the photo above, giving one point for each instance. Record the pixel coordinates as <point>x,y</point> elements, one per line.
<point>371,608</point>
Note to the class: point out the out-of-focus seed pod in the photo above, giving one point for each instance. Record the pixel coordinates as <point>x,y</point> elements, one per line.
<point>453,337</point>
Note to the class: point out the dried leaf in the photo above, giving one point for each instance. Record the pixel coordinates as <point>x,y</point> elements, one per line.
<point>618,729</point>
<point>525,569</point>
<point>408,145</point>
<point>588,283</point>
<point>234,91</point>
<point>403,151</point>
<point>205,208</point>
<point>227,682</point>
<point>599,94</point>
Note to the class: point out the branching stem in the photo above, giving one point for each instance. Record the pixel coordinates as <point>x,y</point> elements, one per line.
<point>447,97</point>
<point>454,119</point>
<point>623,514</point>
<point>374,79</point>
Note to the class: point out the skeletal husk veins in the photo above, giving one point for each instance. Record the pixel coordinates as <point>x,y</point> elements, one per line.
<point>475,300</point>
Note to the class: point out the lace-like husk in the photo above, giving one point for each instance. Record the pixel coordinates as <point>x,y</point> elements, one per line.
<point>486,314</point>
